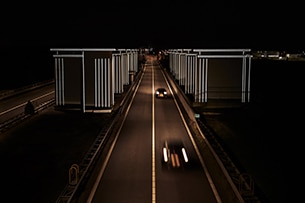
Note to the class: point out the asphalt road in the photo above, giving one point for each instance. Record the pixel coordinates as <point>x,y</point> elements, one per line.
<point>263,139</point>
<point>36,155</point>
<point>134,172</point>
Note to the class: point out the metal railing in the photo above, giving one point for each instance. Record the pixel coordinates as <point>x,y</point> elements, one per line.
<point>7,124</point>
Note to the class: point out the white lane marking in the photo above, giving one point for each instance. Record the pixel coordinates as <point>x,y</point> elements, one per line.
<point>213,187</point>
<point>99,177</point>
<point>23,104</point>
<point>153,170</point>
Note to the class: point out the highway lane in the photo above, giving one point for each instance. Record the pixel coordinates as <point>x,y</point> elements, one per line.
<point>134,170</point>
<point>260,170</point>
<point>37,153</point>
<point>11,107</point>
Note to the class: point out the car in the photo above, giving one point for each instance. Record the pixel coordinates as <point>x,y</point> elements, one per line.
<point>161,92</point>
<point>174,154</point>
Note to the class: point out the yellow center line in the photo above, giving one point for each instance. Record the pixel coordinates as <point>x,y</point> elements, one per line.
<point>153,198</point>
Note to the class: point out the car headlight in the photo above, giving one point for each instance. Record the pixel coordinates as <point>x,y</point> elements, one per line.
<point>165,156</point>
<point>185,155</point>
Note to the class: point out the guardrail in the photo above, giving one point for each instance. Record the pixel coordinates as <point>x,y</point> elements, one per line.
<point>89,161</point>
<point>238,187</point>
<point>9,93</point>
<point>20,117</point>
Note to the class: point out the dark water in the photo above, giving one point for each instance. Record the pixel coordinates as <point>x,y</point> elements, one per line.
<point>277,128</point>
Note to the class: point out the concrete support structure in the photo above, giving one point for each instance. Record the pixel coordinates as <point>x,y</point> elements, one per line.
<point>87,79</point>
<point>209,74</point>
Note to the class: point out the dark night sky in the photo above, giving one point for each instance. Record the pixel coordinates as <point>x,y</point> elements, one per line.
<point>183,24</point>
<point>29,30</point>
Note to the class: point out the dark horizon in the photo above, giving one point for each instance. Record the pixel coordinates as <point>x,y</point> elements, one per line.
<point>31,31</point>
<point>163,25</point>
